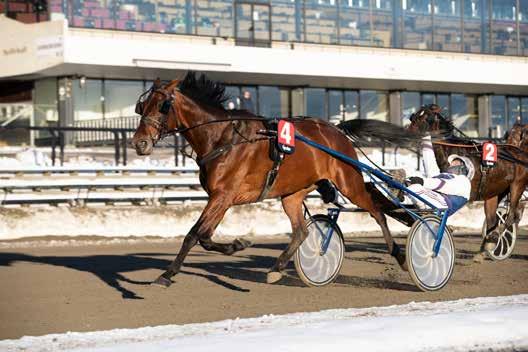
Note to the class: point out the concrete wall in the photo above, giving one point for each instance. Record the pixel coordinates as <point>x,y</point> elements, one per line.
<point>117,54</point>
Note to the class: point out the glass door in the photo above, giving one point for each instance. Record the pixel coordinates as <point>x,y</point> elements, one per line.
<point>252,24</point>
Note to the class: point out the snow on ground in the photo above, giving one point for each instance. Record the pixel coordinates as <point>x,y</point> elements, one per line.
<point>490,324</point>
<point>265,219</point>
<point>26,157</point>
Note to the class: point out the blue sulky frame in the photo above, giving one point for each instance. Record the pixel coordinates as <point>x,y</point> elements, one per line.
<point>382,180</point>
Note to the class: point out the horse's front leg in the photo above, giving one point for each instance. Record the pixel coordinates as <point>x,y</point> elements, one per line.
<point>201,231</point>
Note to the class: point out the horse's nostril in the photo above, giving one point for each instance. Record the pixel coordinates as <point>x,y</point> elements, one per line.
<point>142,144</point>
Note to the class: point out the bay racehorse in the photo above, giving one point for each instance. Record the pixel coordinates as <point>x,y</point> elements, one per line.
<point>232,154</point>
<point>509,176</point>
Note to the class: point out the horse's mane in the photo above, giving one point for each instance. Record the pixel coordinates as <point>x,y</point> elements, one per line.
<point>446,124</point>
<point>203,90</point>
<point>380,131</point>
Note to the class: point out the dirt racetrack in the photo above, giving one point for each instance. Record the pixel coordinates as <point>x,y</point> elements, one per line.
<point>86,287</point>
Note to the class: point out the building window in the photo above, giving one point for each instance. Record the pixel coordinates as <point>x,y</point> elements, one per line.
<point>410,103</point>
<point>417,24</point>
<point>428,99</point>
<point>269,101</point>
<point>524,109</point>
<point>514,111</point>
<point>476,26</point>
<point>498,123</point>
<point>383,23</point>
<point>321,22</point>
<point>335,105</point>
<point>504,27</point>
<point>354,22</point>
<point>248,99</point>
<point>45,102</point>
<point>447,25</point>
<point>351,105</point>
<point>523,27</point>
<point>215,17</point>
<point>87,99</point>
<point>233,101</point>
<point>374,105</point>
<point>464,112</point>
<point>315,102</point>
<point>120,97</point>
<point>174,17</point>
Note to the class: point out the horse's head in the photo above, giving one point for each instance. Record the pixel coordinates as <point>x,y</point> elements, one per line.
<point>518,136</point>
<point>429,119</point>
<point>155,107</point>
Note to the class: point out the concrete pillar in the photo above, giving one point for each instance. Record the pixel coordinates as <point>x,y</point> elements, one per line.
<point>65,107</point>
<point>395,111</point>
<point>484,115</point>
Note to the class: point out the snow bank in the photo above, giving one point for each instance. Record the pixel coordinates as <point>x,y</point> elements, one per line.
<point>28,157</point>
<point>266,219</point>
<point>494,323</point>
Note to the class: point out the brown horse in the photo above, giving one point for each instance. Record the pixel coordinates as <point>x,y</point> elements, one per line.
<point>490,185</point>
<point>234,163</point>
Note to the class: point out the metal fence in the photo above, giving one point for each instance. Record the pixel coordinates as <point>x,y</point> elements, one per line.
<point>94,137</point>
<point>118,137</point>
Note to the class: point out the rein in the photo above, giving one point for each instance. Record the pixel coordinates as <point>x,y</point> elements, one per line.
<point>504,155</point>
<point>476,145</point>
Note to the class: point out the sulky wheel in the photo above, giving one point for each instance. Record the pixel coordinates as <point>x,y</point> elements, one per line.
<point>506,242</point>
<point>314,267</point>
<point>428,272</point>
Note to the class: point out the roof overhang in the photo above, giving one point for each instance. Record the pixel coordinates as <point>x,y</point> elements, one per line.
<point>130,55</point>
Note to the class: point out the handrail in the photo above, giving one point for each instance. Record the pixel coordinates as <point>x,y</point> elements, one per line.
<point>120,141</point>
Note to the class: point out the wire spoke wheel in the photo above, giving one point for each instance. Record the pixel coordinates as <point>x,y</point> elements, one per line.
<point>429,272</point>
<point>506,242</point>
<point>315,267</point>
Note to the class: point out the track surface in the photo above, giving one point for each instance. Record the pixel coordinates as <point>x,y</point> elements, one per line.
<point>97,287</point>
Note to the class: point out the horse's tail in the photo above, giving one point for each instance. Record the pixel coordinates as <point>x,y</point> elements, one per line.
<point>370,130</point>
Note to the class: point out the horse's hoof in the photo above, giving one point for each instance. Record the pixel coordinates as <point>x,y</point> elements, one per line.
<point>402,262</point>
<point>241,244</point>
<point>491,241</point>
<point>273,276</point>
<point>162,282</point>
<point>478,258</point>
<point>490,246</point>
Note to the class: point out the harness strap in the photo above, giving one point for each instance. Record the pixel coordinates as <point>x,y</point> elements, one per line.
<point>215,153</point>
<point>482,182</point>
<point>475,145</point>
<point>271,176</point>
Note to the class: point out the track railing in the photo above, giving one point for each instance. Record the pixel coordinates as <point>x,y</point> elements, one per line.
<point>120,140</point>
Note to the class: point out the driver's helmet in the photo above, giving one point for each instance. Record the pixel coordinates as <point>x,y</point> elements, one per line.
<point>467,168</point>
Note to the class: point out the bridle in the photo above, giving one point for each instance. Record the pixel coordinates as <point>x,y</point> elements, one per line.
<point>434,115</point>
<point>158,122</point>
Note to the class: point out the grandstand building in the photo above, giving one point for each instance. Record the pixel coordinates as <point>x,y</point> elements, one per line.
<point>85,62</point>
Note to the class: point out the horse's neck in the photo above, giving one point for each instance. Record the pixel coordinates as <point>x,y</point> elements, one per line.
<point>441,157</point>
<point>202,139</point>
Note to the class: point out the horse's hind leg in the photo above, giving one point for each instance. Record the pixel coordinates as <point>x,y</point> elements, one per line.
<point>490,210</point>
<point>516,191</point>
<point>292,205</point>
<point>354,189</point>
<point>202,231</point>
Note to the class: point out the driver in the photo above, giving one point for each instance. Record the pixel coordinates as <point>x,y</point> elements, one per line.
<point>447,190</point>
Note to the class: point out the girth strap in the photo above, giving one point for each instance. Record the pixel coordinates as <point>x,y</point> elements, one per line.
<point>270,177</point>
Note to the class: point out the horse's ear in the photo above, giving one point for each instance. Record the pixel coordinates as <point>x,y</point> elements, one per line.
<point>435,108</point>
<point>157,83</point>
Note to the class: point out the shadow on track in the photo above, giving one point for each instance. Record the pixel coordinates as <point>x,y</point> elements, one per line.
<point>111,269</point>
